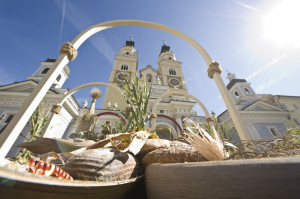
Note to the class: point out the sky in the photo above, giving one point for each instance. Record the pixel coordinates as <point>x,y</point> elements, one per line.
<point>257,40</point>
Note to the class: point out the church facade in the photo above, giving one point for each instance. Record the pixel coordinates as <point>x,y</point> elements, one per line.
<point>265,115</point>
<point>167,77</point>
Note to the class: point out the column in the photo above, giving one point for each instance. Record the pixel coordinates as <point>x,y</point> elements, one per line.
<point>214,72</point>
<point>16,125</point>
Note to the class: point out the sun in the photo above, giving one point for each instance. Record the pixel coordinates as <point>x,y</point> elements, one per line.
<point>281,24</point>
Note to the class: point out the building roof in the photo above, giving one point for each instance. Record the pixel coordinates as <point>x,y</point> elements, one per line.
<point>66,68</point>
<point>286,96</point>
<point>130,43</point>
<point>29,80</point>
<point>232,83</point>
<point>15,83</point>
<point>222,113</point>
<point>50,60</point>
<point>148,67</point>
<point>164,49</point>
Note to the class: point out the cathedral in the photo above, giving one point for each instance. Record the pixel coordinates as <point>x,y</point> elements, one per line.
<point>265,115</point>
<point>168,77</point>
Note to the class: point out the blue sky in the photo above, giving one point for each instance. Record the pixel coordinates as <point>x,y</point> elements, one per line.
<point>236,33</point>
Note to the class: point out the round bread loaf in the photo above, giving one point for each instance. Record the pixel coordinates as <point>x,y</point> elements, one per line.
<point>152,144</point>
<point>103,164</point>
<point>177,152</point>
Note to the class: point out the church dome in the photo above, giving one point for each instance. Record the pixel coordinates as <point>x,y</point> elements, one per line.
<point>166,56</point>
<point>128,51</point>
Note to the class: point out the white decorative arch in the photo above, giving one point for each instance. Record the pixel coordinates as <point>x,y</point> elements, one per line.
<point>74,90</point>
<point>174,134</point>
<point>69,52</point>
<point>49,125</point>
<point>102,26</point>
<point>170,93</point>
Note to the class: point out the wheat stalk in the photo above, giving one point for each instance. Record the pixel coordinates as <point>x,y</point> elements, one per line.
<point>211,148</point>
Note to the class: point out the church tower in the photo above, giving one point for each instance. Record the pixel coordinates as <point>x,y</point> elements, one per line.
<point>43,70</point>
<point>241,91</point>
<point>169,69</point>
<point>125,64</point>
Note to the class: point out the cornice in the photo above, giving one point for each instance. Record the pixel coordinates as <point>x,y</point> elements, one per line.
<point>265,113</point>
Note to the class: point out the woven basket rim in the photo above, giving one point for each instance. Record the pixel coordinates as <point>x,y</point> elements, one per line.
<point>6,173</point>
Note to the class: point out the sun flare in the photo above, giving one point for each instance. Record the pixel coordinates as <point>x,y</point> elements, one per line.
<point>281,24</point>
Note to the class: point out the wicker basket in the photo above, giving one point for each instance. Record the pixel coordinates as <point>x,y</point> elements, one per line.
<point>14,184</point>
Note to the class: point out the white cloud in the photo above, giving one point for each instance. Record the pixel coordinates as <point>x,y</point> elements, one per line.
<point>62,22</point>
<point>215,99</point>
<point>247,6</point>
<point>264,86</point>
<point>80,22</point>
<point>260,88</point>
<point>260,70</point>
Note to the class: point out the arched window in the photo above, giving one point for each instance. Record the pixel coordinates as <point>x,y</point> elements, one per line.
<point>236,94</point>
<point>172,71</point>
<point>45,70</point>
<point>124,67</point>
<point>9,118</point>
<point>164,132</point>
<point>247,90</point>
<point>273,131</point>
<point>149,78</point>
<point>58,78</point>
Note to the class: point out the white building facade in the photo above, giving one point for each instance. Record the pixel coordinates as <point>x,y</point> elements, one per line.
<point>12,96</point>
<point>264,115</point>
